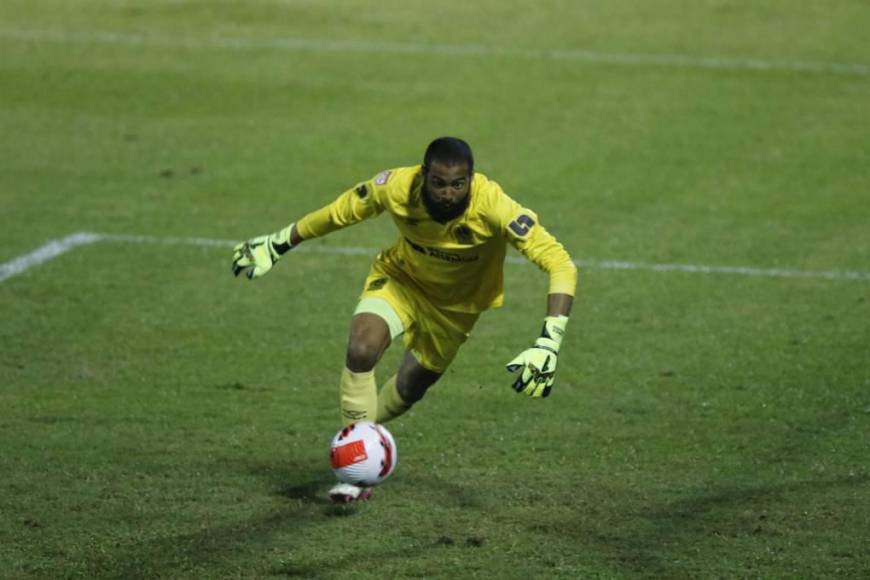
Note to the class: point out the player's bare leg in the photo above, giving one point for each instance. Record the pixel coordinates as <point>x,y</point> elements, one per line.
<point>413,379</point>
<point>369,338</point>
<point>405,388</point>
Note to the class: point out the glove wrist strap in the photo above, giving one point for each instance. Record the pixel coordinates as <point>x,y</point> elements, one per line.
<point>279,242</point>
<point>552,333</point>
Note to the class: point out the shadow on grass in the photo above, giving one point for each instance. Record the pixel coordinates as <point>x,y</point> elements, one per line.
<point>720,520</point>
<point>720,515</point>
<point>209,552</point>
<point>218,550</point>
<point>314,493</point>
<point>445,493</point>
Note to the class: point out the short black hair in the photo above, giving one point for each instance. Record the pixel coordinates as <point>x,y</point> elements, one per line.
<point>449,150</point>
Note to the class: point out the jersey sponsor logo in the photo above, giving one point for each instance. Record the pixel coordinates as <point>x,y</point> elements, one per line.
<point>416,247</point>
<point>450,256</point>
<point>382,177</point>
<point>361,190</point>
<point>522,225</point>
<point>442,255</point>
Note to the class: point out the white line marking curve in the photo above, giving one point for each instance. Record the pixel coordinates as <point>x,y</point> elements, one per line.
<point>48,251</point>
<point>391,47</point>
<point>55,248</point>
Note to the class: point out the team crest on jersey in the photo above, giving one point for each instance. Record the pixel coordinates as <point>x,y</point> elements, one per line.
<point>463,234</point>
<point>382,177</point>
<point>377,284</point>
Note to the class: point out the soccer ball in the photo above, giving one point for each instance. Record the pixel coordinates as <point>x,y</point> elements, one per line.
<point>363,453</point>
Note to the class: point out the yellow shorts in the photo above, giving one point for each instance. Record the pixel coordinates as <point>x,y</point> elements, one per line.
<point>432,334</point>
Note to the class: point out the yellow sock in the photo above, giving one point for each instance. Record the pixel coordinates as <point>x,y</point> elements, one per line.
<point>358,396</point>
<point>390,402</point>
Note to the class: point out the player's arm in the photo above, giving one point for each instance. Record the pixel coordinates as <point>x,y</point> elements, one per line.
<point>559,304</point>
<point>256,256</point>
<point>537,365</point>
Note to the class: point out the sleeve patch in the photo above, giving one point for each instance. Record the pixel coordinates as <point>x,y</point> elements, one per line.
<point>522,225</point>
<point>382,177</point>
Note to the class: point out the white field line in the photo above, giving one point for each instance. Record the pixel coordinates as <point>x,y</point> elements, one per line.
<point>389,47</point>
<point>55,248</point>
<point>44,253</point>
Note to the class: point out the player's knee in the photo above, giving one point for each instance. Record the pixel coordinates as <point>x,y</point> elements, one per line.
<point>362,356</point>
<point>369,338</point>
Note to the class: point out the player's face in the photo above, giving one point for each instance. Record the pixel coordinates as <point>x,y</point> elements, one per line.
<point>446,188</point>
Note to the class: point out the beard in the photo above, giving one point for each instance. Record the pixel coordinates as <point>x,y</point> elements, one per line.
<point>444,212</point>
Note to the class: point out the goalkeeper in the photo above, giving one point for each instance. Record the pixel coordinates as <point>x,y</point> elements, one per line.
<point>431,286</point>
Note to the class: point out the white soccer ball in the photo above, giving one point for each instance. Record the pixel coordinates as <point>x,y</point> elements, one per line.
<point>363,454</point>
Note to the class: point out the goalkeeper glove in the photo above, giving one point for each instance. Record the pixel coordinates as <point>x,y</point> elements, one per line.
<point>538,364</point>
<point>260,254</point>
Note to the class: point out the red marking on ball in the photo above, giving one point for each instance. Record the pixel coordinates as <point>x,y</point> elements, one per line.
<point>387,463</point>
<point>348,454</point>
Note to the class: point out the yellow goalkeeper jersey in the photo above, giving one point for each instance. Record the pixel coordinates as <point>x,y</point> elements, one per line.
<point>456,265</point>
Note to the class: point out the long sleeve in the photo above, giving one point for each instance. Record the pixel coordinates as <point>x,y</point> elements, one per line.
<point>352,206</point>
<point>542,249</point>
<point>523,230</point>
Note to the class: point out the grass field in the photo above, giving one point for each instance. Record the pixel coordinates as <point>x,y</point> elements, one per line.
<point>162,419</point>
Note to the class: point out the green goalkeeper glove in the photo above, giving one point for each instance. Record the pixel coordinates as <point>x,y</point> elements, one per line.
<point>538,363</point>
<point>260,254</point>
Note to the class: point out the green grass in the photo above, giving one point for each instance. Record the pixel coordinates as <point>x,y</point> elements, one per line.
<point>161,419</point>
